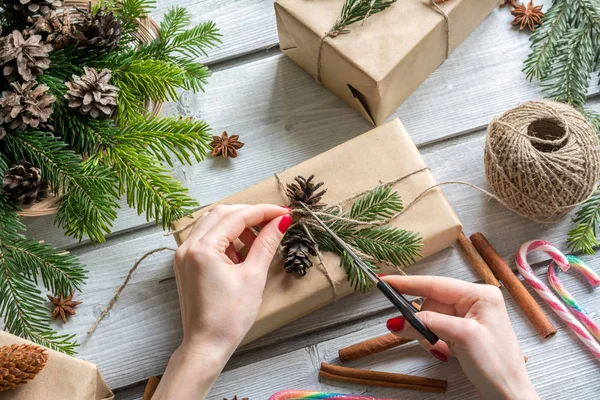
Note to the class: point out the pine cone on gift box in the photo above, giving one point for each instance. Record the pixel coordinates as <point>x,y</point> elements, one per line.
<point>100,31</point>
<point>32,6</point>
<point>92,94</point>
<point>24,185</point>
<point>20,363</point>
<point>298,248</point>
<point>25,57</point>
<point>54,29</point>
<point>27,105</point>
<point>305,191</point>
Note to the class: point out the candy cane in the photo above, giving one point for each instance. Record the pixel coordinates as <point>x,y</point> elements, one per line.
<point>556,285</point>
<point>544,292</point>
<point>304,394</point>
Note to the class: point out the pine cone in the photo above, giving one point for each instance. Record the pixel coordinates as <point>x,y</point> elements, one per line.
<point>26,105</point>
<point>298,248</point>
<point>54,29</point>
<point>100,31</point>
<point>25,57</point>
<point>92,94</point>
<point>20,363</point>
<point>305,191</point>
<point>24,185</point>
<point>32,6</point>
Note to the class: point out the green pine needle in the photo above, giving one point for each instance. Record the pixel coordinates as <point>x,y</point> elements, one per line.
<point>358,10</point>
<point>377,205</point>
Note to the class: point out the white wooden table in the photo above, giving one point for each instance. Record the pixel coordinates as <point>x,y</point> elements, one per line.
<point>285,118</point>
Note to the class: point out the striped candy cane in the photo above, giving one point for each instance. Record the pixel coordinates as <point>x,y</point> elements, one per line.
<point>556,285</point>
<point>544,292</point>
<point>305,394</point>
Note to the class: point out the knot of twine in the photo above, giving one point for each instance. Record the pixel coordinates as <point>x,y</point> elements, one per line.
<point>331,33</point>
<point>541,158</point>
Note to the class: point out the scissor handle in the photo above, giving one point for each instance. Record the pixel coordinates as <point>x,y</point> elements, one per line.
<point>407,311</point>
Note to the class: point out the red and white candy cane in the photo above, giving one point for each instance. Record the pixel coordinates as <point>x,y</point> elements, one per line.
<point>550,298</point>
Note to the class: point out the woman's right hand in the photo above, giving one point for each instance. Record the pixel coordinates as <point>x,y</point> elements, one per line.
<point>473,323</point>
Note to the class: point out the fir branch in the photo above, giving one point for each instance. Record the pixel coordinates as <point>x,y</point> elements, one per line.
<point>377,205</point>
<point>582,238</point>
<point>358,278</point>
<point>357,10</point>
<point>389,244</point>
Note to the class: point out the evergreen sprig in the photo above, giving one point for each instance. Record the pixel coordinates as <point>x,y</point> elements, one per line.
<point>565,51</point>
<point>369,235</point>
<point>357,10</point>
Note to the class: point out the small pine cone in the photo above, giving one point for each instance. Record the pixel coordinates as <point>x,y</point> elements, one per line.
<point>24,185</point>
<point>54,29</point>
<point>20,364</point>
<point>27,58</point>
<point>305,191</point>
<point>92,94</point>
<point>27,105</point>
<point>100,31</point>
<point>298,248</point>
<point>31,7</point>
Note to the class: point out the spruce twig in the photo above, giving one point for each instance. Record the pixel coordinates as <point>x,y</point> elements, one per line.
<point>357,10</point>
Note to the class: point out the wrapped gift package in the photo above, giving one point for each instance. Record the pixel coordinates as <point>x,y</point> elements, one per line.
<point>63,377</point>
<point>382,60</point>
<point>380,155</point>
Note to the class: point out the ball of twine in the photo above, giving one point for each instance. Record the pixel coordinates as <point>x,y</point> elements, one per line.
<point>542,159</point>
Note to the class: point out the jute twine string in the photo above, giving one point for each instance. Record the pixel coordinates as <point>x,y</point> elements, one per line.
<point>542,159</point>
<point>331,33</point>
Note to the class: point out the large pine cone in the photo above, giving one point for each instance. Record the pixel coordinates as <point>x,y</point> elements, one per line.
<point>92,94</point>
<point>25,57</point>
<point>26,105</point>
<point>32,6</point>
<point>24,185</point>
<point>298,248</point>
<point>100,31</point>
<point>20,364</point>
<point>54,29</point>
<point>305,191</point>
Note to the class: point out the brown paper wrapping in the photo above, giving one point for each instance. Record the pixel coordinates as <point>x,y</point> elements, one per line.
<point>376,66</point>
<point>380,155</point>
<point>63,377</point>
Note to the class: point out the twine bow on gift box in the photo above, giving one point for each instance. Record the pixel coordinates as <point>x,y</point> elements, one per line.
<point>358,11</point>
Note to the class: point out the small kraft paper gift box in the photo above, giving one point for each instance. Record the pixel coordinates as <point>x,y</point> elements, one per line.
<point>63,377</point>
<point>377,64</point>
<point>384,154</point>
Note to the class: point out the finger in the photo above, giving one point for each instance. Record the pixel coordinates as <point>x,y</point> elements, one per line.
<point>210,219</point>
<point>436,306</point>
<point>265,246</point>
<point>247,237</point>
<point>443,290</point>
<point>446,327</point>
<point>234,223</point>
<point>233,255</point>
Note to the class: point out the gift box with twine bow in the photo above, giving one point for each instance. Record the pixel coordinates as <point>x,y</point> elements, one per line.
<point>380,61</point>
<point>384,154</point>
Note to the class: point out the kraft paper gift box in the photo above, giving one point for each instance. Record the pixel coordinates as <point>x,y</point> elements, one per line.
<point>63,377</point>
<point>376,66</point>
<point>380,155</point>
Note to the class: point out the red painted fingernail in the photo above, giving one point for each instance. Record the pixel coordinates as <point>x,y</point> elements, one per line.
<point>381,275</point>
<point>395,324</point>
<point>285,223</point>
<point>439,355</point>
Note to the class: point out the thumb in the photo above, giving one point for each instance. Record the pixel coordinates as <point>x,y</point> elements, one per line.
<point>267,242</point>
<point>447,327</point>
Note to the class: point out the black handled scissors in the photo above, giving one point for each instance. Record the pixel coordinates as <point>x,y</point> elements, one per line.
<point>407,310</point>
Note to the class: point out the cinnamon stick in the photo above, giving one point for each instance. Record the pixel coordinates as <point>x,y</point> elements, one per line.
<point>371,346</point>
<point>384,379</point>
<point>477,261</point>
<point>151,387</point>
<point>514,286</point>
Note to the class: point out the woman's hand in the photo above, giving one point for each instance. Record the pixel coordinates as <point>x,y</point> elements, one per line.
<point>473,323</point>
<point>219,292</point>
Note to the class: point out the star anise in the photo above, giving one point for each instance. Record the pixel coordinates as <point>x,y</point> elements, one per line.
<point>511,3</point>
<point>527,16</point>
<point>64,306</point>
<point>225,145</point>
